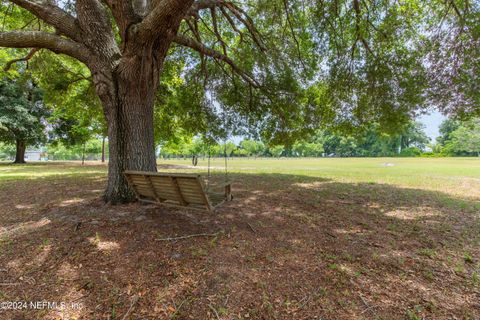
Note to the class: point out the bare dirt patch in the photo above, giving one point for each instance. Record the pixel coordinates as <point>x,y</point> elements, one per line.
<point>287,247</point>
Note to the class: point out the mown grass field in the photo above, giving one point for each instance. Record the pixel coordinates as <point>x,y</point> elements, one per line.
<point>381,238</point>
<point>451,175</point>
<point>458,176</point>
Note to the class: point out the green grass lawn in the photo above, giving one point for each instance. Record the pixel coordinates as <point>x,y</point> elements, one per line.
<point>456,176</point>
<point>45,170</point>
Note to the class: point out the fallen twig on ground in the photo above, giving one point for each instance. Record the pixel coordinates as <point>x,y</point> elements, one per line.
<point>214,311</point>
<point>252,228</point>
<point>369,307</point>
<point>134,302</point>
<point>189,236</point>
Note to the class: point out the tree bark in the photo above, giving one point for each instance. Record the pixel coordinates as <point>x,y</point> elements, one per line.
<point>130,129</point>
<point>20,151</point>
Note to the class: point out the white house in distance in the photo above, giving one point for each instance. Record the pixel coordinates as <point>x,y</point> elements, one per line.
<point>33,155</point>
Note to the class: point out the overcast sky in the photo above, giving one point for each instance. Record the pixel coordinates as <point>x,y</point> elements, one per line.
<point>432,122</point>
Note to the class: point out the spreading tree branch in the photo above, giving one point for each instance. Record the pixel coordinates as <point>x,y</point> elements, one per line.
<point>231,22</point>
<point>235,16</point>
<point>359,37</point>
<point>216,31</point>
<point>40,39</point>
<point>163,20</point>
<point>297,43</point>
<point>204,4</point>
<point>245,19</point>
<point>124,15</point>
<point>201,48</point>
<point>29,56</point>
<point>455,8</point>
<point>53,15</point>
<point>193,26</point>
<point>230,11</point>
<point>101,38</point>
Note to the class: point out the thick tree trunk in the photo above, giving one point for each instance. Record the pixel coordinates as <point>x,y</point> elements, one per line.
<point>20,151</point>
<point>130,134</point>
<point>127,88</point>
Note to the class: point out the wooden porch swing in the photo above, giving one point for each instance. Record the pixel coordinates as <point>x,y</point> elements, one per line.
<point>179,189</point>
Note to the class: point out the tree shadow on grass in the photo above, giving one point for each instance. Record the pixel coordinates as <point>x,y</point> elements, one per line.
<point>48,172</point>
<point>288,247</point>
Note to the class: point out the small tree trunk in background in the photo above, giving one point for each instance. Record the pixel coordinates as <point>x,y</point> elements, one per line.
<point>83,154</point>
<point>103,149</point>
<point>20,151</point>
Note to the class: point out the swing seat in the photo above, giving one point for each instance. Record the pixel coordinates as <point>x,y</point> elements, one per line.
<point>179,189</point>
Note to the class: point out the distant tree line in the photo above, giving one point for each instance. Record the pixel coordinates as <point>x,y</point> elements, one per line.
<point>370,142</point>
<point>459,138</point>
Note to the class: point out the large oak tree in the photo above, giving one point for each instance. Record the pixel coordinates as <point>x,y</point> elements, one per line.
<point>358,60</point>
<point>125,72</point>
